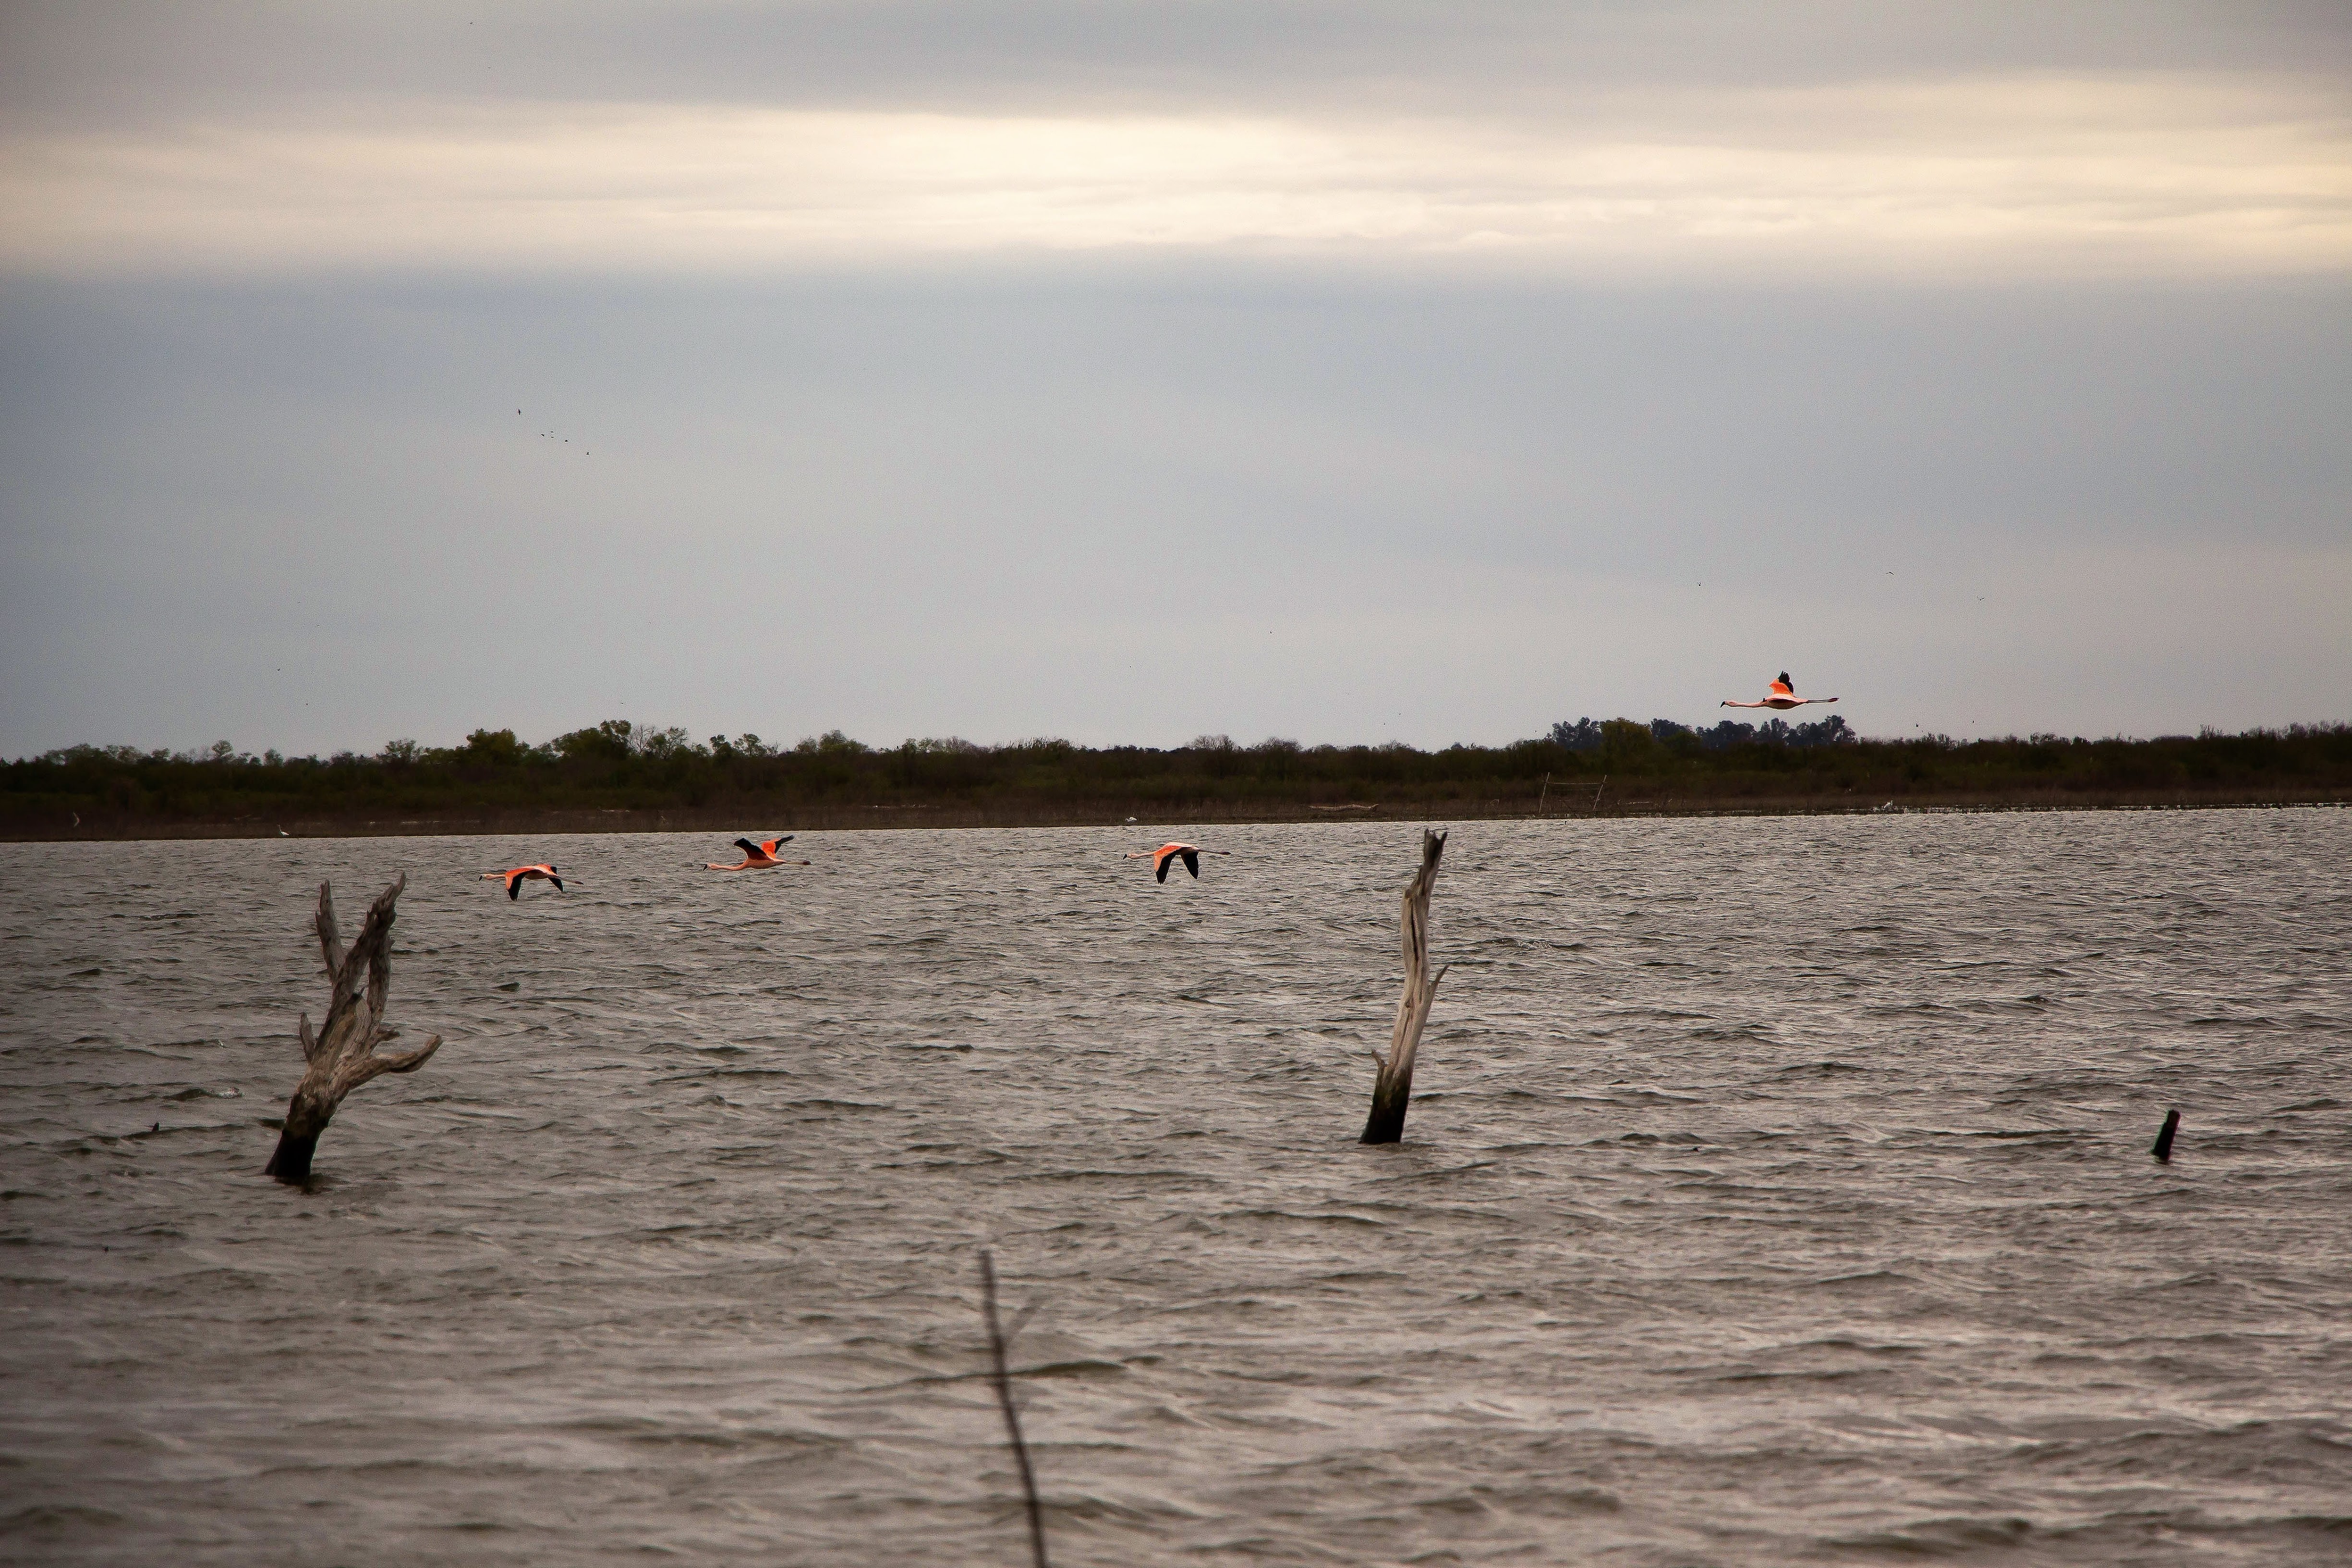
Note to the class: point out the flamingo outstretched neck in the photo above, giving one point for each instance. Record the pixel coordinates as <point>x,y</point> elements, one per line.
<point>756,856</point>
<point>1168,854</point>
<point>1783,697</point>
<point>515,877</point>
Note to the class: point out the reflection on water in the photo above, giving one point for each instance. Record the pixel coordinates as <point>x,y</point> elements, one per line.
<point>1777,1190</point>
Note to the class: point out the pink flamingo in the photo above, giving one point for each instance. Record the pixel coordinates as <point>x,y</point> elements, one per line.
<point>1783,697</point>
<point>757,856</point>
<point>1166,855</point>
<point>516,878</point>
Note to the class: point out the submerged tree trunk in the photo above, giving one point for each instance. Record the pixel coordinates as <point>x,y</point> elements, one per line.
<point>342,1055</point>
<point>1002,1377</point>
<point>1392,1089</point>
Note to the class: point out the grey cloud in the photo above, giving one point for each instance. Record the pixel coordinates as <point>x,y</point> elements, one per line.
<point>1143,498</point>
<point>1129,504</point>
<point>65,64</point>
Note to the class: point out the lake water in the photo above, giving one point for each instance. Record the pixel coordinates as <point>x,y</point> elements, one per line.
<point>1777,1190</point>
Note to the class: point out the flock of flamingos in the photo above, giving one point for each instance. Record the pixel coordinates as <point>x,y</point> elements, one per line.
<point>762,855</point>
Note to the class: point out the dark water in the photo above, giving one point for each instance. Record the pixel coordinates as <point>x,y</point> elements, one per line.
<point>1777,1191</point>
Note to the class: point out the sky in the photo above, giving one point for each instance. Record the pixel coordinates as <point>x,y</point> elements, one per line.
<point>1128,372</point>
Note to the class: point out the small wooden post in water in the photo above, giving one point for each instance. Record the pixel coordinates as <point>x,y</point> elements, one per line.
<point>1392,1089</point>
<point>2163,1150</point>
<point>342,1055</point>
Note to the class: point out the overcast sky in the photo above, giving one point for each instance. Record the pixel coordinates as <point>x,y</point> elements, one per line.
<point>1356,372</point>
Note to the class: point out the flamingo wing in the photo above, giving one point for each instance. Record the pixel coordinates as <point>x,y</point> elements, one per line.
<point>1192,862</point>
<point>514,884</point>
<point>770,847</point>
<point>1160,861</point>
<point>746,846</point>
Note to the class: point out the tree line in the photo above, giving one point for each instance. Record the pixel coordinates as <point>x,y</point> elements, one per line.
<point>621,769</point>
<point>1590,735</point>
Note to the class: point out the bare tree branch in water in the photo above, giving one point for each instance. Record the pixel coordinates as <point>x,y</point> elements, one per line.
<point>997,1340</point>
<point>342,1055</point>
<point>1392,1089</point>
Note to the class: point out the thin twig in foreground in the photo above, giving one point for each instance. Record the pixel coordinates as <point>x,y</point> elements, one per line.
<point>1004,1399</point>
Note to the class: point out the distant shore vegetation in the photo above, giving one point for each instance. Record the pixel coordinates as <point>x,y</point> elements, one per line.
<point>621,774</point>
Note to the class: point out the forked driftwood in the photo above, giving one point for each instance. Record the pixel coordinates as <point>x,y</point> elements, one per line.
<point>342,1055</point>
<point>1392,1089</point>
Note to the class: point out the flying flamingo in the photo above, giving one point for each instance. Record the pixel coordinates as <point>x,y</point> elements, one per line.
<point>1783,697</point>
<point>756,856</point>
<point>1165,857</point>
<point>515,879</point>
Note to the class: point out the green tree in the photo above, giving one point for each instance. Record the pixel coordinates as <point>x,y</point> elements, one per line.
<point>1627,747</point>
<point>497,747</point>
<point>608,741</point>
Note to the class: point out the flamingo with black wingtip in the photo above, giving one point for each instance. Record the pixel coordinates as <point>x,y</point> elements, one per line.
<point>1167,855</point>
<point>759,856</point>
<point>1783,697</point>
<point>518,875</point>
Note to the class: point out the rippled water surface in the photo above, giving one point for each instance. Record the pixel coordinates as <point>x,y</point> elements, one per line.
<point>1776,1191</point>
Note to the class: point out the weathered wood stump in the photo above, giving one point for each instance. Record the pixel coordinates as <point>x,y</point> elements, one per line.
<point>342,1055</point>
<point>1392,1089</point>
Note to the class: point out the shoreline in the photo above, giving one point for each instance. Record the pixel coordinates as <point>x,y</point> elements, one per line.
<point>1147,815</point>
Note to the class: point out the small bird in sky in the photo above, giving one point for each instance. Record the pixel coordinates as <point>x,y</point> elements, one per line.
<point>1783,695</point>
<point>520,874</point>
<point>1168,854</point>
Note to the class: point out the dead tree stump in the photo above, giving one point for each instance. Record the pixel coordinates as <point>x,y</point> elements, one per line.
<point>1392,1089</point>
<point>342,1055</point>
